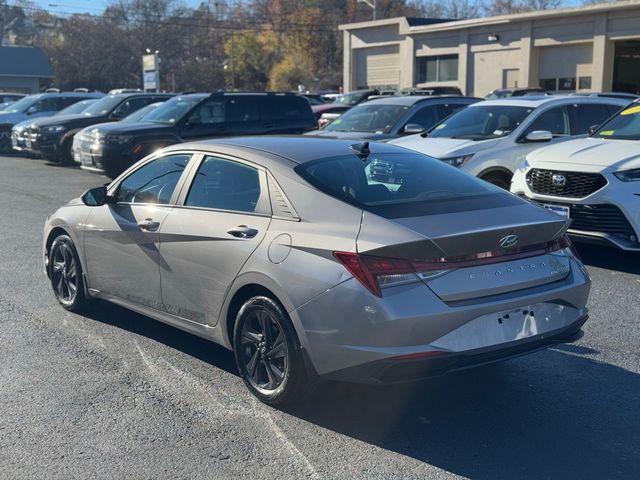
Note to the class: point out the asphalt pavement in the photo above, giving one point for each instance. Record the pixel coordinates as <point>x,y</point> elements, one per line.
<point>117,395</point>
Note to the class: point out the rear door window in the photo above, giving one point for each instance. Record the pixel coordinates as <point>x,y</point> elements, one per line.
<point>446,109</point>
<point>426,117</point>
<point>587,115</point>
<point>286,107</point>
<point>223,184</point>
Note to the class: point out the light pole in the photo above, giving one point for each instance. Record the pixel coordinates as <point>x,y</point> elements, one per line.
<point>373,5</point>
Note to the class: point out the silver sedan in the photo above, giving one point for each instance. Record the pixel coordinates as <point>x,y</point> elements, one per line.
<point>319,259</point>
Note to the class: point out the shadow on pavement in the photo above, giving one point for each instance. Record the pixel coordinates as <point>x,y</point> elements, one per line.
<point>205,350</point>
<point>610,258</point>
<point>560,416</point>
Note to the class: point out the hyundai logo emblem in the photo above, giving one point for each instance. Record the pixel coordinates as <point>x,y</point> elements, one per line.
<point>508,241</point>
<point>559,180</point>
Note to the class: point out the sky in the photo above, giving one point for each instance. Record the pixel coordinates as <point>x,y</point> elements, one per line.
<point>97,6</point>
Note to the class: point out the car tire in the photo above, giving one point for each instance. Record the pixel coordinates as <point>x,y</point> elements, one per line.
<point>501,180</point>
<point>66,157</point>
<point>268,353</point>
<point>65,275</point>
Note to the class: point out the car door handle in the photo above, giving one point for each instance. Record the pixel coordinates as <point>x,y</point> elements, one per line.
<point>242,231</point>
<point>148,224</point>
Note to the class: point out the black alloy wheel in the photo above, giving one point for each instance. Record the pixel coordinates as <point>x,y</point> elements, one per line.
<point>268,353</point>
<point>65,274</point>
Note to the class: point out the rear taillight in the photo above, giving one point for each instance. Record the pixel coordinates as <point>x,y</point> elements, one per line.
<point>377,272</point>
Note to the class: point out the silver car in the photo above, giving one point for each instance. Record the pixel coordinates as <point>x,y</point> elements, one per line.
<point>490,139</point>
<point>291,252</point>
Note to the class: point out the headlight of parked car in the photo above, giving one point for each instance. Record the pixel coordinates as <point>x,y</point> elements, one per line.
<point>629,175</point>
<point>117,139</point>
<point>458,161</point>
<point>53,129</point>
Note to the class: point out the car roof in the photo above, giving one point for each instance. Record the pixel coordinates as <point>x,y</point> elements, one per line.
<point>534,101</point>
<point>296,149</point>
<point>408,100</point>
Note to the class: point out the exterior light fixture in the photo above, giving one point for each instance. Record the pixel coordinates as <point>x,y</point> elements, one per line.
<point>493,37</point>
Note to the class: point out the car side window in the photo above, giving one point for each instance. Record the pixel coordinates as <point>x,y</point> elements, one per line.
<point>242,109</point>
<point>154,182</point>
<point>225,185</point>
<point>131,106</point>
<point>553,120</point>
<point>425,117</point>
<point>45,105</point>
<point>587,115</point>
<point>210,112</point>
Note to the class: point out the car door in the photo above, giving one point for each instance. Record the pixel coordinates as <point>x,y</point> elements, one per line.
<point>207,119</point>
<point>218,223</point>
<point>121,238</point>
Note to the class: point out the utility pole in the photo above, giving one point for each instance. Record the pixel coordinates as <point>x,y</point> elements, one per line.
<point>373,5</point>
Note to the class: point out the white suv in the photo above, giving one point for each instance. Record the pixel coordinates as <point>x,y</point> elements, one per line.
<point>595,181</point>
<point>490,139</point>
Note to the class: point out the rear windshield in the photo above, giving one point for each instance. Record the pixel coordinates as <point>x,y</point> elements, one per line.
<point>370,118</point>
<point>397,185</point>
<point>482,122</point>
<point>624,126</point>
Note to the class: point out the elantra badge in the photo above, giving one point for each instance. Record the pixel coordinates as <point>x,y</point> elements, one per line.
<point>559,180</point>
<point>508,241</point>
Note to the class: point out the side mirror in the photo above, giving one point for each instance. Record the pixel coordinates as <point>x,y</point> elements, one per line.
<point>96,197</point>
<point>115,116</point>
<point>31,110</point>
<point>539,136</point>
<point>593,128</point>
<point>412,129</point>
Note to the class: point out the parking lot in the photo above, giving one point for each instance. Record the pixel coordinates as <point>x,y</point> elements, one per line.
<point>117,394</point>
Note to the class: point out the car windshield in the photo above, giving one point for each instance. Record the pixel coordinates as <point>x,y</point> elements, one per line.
<point>172,110</point>
<point>77,107</point>
<point>401,184</point>
<point>481,122</point>
<point>624,126</point>
<point>351,98</point>
<point>370,118</point>
<point>22,105</point>
<point>103,106</point>
<point>140,115</point>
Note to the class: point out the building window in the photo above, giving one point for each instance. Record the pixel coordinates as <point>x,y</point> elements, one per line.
<point>584,83</point>
<point>568,83</point>
<point>443,68</point>
<point>548,84</point>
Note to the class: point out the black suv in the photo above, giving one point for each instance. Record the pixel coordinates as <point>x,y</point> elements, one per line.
<point>110,149</point>
<point>52,139</point>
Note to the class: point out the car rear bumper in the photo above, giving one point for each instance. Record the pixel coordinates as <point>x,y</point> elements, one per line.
<point>347,331</point>
<point>404,370</point>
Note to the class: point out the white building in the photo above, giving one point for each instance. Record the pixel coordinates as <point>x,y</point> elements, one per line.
<point>592,48</point>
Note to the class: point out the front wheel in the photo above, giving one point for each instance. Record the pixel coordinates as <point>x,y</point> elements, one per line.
<point>65,274</point>
<point>268,353</point>
<point>501,180</point>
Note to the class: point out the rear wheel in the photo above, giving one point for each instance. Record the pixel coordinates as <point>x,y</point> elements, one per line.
<point>502,180</point>
<point>65,274</point>
<point>268,354</point>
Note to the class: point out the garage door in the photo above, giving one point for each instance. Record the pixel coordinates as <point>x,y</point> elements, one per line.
<point>377,67</point>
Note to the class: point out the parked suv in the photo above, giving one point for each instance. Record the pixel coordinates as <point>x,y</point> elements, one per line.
<point>393,116</point>
<point>491,138</point>
<point>20,133</point>
<point>34,106</point>
<point>53,139</point>
<point>595,181</point>
<point>110,149</point>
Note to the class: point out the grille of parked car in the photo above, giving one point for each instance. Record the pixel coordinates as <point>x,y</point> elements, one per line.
<point>564,184</point>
